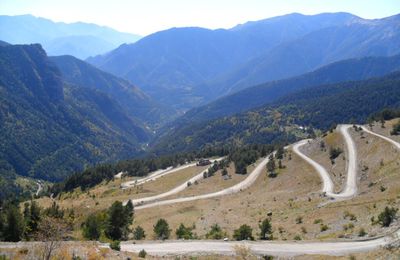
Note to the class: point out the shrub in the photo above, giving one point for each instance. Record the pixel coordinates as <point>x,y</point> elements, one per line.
<point>244,232</point>
<point>396,129</point>
<point>184,232</point>
<point>324,227</point>
<point>299,220</point>
<point>115,245</point>
<point>297,237</point>
<point>142,253</point>
<point>348,226</point>
<point>349,215</point>
<point>334,153</point>
<point>138,233</point>
<point>361,232</point>
<point>215,232</point>
<point>386,217</point>
<point>318,221</point>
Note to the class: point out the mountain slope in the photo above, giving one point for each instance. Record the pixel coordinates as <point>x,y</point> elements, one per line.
<point>318,107</point>
<point>50,128</point>
<point>168,65</point>
<point>176,65</point>
<point>346,70</point>
<point>128,96</point>
<point>358,38</point>
<point>79,39</point>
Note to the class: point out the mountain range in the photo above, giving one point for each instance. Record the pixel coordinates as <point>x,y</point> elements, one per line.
<point>78,39</point>
<point>186,88</point>
<point>187,67</point>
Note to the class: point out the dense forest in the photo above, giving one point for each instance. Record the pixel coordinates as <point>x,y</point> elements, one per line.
<point>263,94</point>
<point>291,117</point>
<point>52,126</point>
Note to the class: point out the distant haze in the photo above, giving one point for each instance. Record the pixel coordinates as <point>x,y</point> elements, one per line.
<point>145,17</point>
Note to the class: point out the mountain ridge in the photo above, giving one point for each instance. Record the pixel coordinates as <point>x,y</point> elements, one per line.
<point>320,107</point>
<point>59,38</point>
<point>252,97</point>
<point>188,67</point>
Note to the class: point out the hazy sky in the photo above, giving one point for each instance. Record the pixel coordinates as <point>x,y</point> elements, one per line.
<point>147,16</point>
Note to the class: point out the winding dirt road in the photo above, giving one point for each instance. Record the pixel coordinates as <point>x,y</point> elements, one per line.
<point>234,189</point>
<point>350,189</point>
<point>175,190</point>
<point>160,173</point>
<point>275,248</point>
<point>396,144</point>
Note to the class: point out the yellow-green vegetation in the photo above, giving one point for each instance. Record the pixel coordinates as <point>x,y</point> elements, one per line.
<point>214,183</point>
<point>319,151</point>
<point>292,200</point>
<point>103,195</point>
<point>294,194</point>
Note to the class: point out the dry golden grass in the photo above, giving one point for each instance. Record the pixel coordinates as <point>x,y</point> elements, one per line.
<point>288,195</point>
<point>213,183</point>
<point>337,170</point>
<point>293,195</point>
<point>103,195</point>
<point>387,128</point>
<point>291,189</point>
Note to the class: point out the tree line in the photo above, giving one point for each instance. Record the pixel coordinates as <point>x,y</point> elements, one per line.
<point>134,167</point>
<point>241,156</point>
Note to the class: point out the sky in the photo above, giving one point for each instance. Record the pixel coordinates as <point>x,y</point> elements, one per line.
<point>147,16</point>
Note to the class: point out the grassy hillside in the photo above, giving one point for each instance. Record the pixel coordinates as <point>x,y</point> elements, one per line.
<point>291,200</point>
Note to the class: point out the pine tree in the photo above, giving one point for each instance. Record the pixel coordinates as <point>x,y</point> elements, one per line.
<point>265,230</point>
<point>118,221</point>
<point>161,229</point>
<point>138,233</point>
<point>14,228</point>
<point>92,227</point>
<point>34,217</point>
<point>279,153</point>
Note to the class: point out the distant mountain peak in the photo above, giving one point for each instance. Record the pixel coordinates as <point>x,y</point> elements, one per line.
<point>59,38</point>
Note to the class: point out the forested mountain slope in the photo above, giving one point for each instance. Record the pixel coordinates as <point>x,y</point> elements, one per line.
<point>346,70</point>
<point>357,38</point>
<point>187,67</point>
<point>50,128</point>
<point>175,66</point>
<point>131,98</point>
<point>318,107</point>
